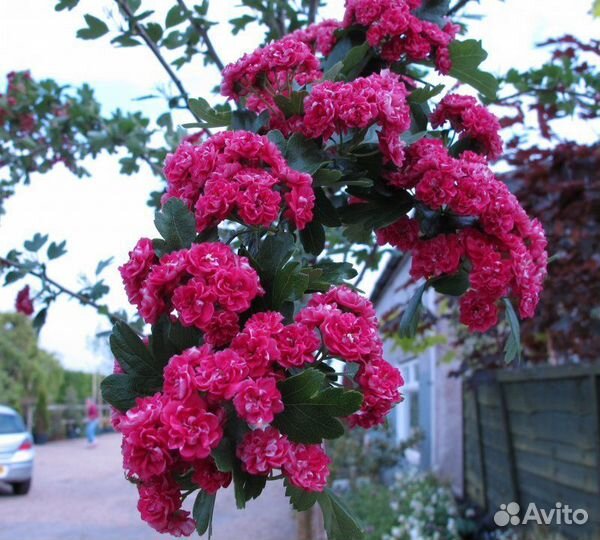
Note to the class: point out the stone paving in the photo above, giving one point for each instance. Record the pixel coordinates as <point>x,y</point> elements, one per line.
<point>80,494</point>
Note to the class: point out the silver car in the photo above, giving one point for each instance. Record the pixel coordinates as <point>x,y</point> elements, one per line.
<point>16,451</point>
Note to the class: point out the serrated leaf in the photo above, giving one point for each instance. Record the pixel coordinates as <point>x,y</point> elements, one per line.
<point>326,177</point>
<point>36,243</point>
<point>202,512</point>
<point>309,413</point>
<point>466,57</point>
<point>338,520</point>
<point>212,118</point>
<point>176,224</point>
<point>224,455</point>
<point>304,154</point>
<point>40,319</point>
<point>56,250</point>
<point>274,252</point>
<point>65,4</point>
<point>13,276</point>
<point>289,284</point>
<point>95,28</point>
<point>410,318</point>
<point>131,352</point>
<point>355,60</point>
<point>277,138</point>
<point>248,121</point>
<point>421,95</point>
<point>103,264</point>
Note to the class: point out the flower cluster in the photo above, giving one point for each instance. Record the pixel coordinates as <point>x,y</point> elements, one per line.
<point>207,286</point>
<point>319,37</point>
<point>273,70</point>
<point>349,329</point>
<point>506,250</point>
<point>472,121</point>
<point>393,28</point>
<point>238,174</point>
<point>336,107</point>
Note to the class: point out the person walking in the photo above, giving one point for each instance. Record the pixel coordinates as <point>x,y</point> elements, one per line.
<point>93,416</point>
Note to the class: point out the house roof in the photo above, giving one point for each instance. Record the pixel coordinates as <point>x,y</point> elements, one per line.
<point>386,276</point>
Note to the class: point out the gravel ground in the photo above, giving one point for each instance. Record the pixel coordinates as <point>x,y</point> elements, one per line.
<point>80,494</point>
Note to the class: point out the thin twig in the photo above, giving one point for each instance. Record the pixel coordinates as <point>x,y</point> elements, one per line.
<point>202,31</point>
<point>156,51</point>
<point>312,10</point>
<point>64,290</point>
<point>457,7</point>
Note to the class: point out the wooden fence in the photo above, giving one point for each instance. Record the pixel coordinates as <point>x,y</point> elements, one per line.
<point>533,436</point>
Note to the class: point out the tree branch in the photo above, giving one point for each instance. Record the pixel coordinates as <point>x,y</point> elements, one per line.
<point>156,51</point>
<point>203,32</point>
<point>457,7</point>
<point>42,276</point>
<point>313,8</point>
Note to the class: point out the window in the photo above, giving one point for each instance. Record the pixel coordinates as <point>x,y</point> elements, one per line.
<point>11,423</point>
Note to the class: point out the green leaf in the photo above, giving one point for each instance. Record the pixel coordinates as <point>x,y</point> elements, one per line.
<point>95,28</point>
<point>421,95</point>
<point>355,60</point>
<point>303,386</point>
<point>39,320</point>
<point>313,238</point>
<point>277,138</point>
<point>332,73</point>
<point>248,120</point>
<point>596,8</point>
<point>455,285</point>
<point>176,224</point>
<point>212,118</point>
<point>131,352</point>
<point>56,250</point>
<point>300,500</point>
<point>13,276</point>
<point>512,349</point>
<point>125,40</point>
<point>336,272</point>
<point>118,391</point>
<point>275,250</point>
<point>466,57</point>
<point>289,284</point>
<point>224,455</point>
<point>174,16</point>
<point>309,414</point>
<point>36,242</point>
<point>204,506</point>
<point>65,4</point>
<point>377,213</point>
<point>339,522</point>
<point>410,318</point>
<point>154,31</point>
<point>304,154</point>
<point>103,264</point>
<point>338,53</point>
<point>326,177</point>
<point>293,105</point>
<point>325,212</point>
<point>246,486</point>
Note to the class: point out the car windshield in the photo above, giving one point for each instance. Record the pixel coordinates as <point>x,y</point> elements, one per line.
<point>11,423</point>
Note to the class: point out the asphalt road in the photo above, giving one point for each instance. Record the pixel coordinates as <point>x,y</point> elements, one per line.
<point>80,494</point>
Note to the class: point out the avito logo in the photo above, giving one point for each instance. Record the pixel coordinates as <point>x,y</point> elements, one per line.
<point>561,514</point>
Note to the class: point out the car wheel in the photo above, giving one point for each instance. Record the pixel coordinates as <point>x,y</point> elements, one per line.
<point>22,488</point>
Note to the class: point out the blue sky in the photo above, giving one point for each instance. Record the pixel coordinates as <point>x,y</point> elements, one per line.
<point>104,215</point>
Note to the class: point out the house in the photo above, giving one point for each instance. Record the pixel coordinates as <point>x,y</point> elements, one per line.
<point>432,400</point>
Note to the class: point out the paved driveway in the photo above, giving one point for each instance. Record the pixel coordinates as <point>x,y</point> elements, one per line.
<point>80,494</point>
